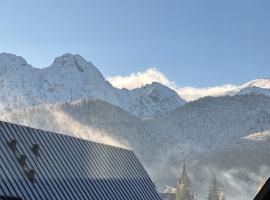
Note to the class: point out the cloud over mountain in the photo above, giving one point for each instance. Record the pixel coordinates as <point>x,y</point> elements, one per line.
<point>193,93</point>
<point>139,79</point>
<point>150,75</point>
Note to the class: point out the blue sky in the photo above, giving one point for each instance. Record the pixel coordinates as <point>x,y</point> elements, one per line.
<point>194,42</point>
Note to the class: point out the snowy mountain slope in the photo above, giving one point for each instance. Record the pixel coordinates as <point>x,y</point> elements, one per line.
<point>254,89</point>
<point>261,83</point>
<point>154,99</point>
<point>89,119</point>
<point>95,120</point>
<point>19,82</point>
<point>224,120</point>
<point>70,78</point>
<point>257,86</point>
<point>204,128</point>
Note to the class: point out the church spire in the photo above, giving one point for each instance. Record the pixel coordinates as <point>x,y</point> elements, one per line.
<point>183,189</point>
<point>184,171</point>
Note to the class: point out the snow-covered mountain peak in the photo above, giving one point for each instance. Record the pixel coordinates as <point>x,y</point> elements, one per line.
<point>155,98</point>
<point>155,85</point>
<point>261,83</point>
<point>74,71</point>
<point>71,61</point>
<point>258,86</point>
<point>11,60</point>
<point>70,77</point>
<point>156,91</point>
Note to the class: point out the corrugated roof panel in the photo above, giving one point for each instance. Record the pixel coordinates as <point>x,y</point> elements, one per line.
<point>68,168</point>
<point>45,182</point>
<point>13,133</point>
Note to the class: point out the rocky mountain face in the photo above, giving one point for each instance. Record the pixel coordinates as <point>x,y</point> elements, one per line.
<point>70,78</point>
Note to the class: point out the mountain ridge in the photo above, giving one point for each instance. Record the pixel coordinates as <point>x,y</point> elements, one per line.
<point>70,77</point>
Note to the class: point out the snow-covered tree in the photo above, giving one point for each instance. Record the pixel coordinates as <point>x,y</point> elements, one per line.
<point>215,192</point>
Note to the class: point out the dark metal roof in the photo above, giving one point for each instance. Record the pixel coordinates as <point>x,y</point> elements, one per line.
<point>37,164</point>
<point>9,198</point>
<point>264,193</point>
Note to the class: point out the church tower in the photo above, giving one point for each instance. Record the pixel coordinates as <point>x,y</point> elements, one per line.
<point>183,189</point>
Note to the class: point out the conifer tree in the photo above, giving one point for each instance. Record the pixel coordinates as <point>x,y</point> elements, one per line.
<point>215,192</point>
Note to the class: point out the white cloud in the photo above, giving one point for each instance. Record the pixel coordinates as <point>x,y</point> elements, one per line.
<point>136,80</point>
<point>259,136</point>
<point>192,93</point>
<point>139,79</point>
